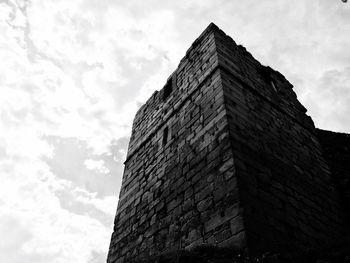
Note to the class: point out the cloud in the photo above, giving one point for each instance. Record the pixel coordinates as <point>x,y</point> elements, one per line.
<point>330,105</point>
<point>47,109</point>
<point>43,231</point>
<point>96,166</point>
<point>74,160</point>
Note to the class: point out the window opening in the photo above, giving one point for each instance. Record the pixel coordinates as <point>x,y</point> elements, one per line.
<point>273,85</point>
<point>168,88</point>
<point>265,73</point>
<point>165,135</point>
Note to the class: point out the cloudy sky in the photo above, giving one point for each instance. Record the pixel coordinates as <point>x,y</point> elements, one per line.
<point>74,72</point>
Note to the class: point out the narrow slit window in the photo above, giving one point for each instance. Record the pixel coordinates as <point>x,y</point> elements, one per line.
<point>273,85</point>
<point>168,88</point>
<point>165,136</point>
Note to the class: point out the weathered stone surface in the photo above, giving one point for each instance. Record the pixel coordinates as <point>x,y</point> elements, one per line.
<point>223,155</point>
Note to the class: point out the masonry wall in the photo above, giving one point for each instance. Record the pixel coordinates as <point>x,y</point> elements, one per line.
<point>224,155</point>
<point>179,187</point>
<point>284,183</point>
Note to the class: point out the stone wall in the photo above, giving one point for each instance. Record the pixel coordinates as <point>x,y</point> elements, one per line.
<point>224,155</point>
<point>179,187</point>
<point>284,182</point>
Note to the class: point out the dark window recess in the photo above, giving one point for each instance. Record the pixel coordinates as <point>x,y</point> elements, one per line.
<point>265,73</point>
<point>272,83</point>
<point>165,135</point>
<point>168,88</point>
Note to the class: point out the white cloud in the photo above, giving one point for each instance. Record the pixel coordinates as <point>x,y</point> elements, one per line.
<point>96,165</point>
<point>30,206</point>
<point>330,104</point>
<point>106,205</point>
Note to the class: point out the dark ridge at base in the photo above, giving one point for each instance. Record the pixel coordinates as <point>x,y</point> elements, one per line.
<point>210,254</point>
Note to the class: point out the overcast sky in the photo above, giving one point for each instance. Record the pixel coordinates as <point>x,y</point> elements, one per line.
<point>74,72</point>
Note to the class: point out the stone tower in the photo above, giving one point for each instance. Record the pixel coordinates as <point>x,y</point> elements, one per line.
<point>223,155</point>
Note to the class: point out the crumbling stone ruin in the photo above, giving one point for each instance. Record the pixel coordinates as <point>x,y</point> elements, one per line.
<point>224,155</point>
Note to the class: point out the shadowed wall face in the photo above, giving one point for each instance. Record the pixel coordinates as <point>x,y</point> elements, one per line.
<point>224,155</point>
<point>283,180</point>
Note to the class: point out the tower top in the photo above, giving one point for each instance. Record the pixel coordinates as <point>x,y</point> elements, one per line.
<point>214,50</point>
